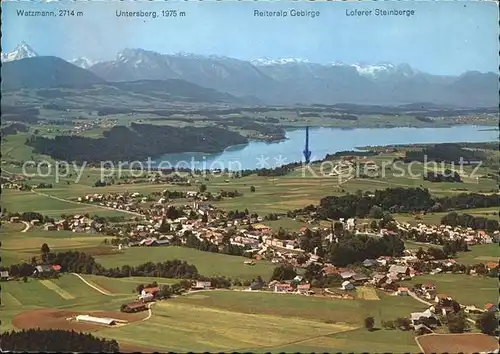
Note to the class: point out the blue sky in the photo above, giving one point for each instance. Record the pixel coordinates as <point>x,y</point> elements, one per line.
<point>441,38</point>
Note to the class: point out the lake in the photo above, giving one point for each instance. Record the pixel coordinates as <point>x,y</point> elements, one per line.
<point>322,141</point>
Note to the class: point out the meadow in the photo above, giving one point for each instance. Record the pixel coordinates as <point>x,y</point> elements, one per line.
<point>18,246</point>
<point>466,289</point>
<point>480,254</point>
<point>221,320</point>
<point>207,263</point>
<point>67,292</point>
<point>279,194</point>
<point>267,322</point>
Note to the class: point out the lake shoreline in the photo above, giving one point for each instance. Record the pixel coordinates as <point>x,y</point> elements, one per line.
<point>322,141</point>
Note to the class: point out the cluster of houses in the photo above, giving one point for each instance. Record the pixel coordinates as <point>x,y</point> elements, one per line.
<point>447,232</point>
<point>75,223</point>
<point>440,305</point>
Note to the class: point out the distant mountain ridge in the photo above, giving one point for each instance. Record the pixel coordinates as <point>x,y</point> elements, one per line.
<point>293,80</point>
<point>281,81</point>
<point>52,76</point>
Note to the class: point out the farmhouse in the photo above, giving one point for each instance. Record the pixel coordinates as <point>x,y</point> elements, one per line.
<point>134,307</point>
<point>282,287</point>
<point>303,288</point>
<point>402,291</point>
<point>426,317</point>
<point>43,271</point>
<point>491,307</point>
<point>202,285</point>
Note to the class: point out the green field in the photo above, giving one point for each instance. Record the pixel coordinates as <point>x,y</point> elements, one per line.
<point>466,289</point>
<point>18,297</point>
<point>209,264</point>
<point>124,285</point>
<point>223,320</point>
<point>20,246</point>
<point>272,194</point>
<point>480,254</point>
<point>258,322</point>
<point>17,201</point>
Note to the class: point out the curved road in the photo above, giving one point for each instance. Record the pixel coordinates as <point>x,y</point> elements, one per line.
<point>27,226</point>
<point>150,312</point>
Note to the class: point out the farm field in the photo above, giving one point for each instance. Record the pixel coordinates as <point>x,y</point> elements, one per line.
<point>464,343</point>
<point>20,246</point>
<point>17,201</point>
<point>207,320</point>
<point>18,297</point>
<point>356,341</point>
<point>480,254</point>
<point>272,194</point>
<point>124,285</point>
<point>466,289</point>
<point>207,263</point>
<point>290,305</point>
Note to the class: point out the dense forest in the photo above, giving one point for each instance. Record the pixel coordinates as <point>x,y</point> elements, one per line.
<point>447,176</point>
<point>444,153</point>
<point>53,341</point>
<point>397,200</point>
<point>137,142</point>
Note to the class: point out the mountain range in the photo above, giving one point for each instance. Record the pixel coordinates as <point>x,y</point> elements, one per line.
<point>290,80</point>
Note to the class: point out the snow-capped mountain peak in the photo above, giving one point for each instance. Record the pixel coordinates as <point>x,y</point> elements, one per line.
<point>375,70</point>
<point>22,51</point>
<point>83,62</point>
<point>280,61</point>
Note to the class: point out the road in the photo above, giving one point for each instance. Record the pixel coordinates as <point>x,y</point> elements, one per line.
<point>93,286</point>
<point>87,205</point>
<point>27,226</point>
<point>150,311</point>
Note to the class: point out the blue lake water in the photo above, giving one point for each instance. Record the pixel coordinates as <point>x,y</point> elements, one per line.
<point>322,141</point>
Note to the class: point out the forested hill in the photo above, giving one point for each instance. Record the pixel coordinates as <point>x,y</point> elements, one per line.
<point>137,142</point>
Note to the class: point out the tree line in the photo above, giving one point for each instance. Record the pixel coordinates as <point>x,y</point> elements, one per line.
<point>80,262</point>
<point>444,153</point>
<point>447,176</point>
<point>396,200</point>
<point>466,220</point>
<point>38,340</point>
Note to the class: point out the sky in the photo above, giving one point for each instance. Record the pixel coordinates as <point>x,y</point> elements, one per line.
<point>445,37</point>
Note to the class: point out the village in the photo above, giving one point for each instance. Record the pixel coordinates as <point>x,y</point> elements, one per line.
<point>158,223</point>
